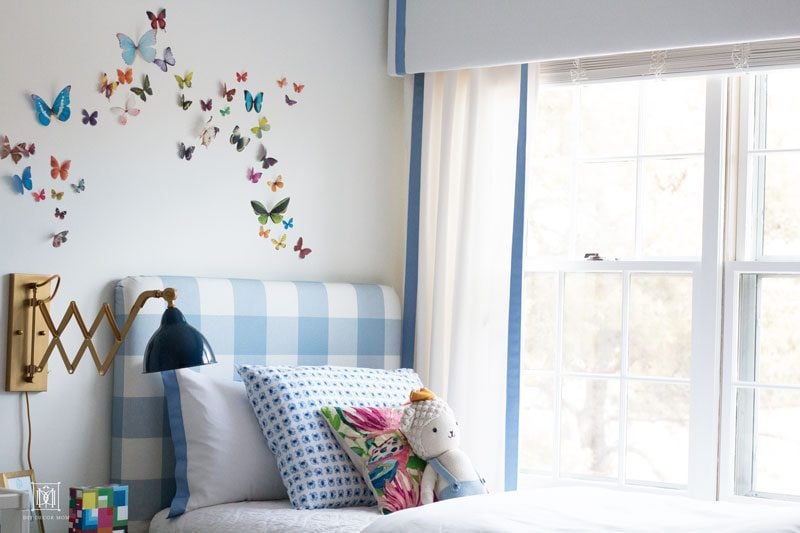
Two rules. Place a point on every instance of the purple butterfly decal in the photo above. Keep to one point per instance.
(89, 119)
(289, 101)
(206, 106)
(267, 161)
(169, 59)
(60, 214)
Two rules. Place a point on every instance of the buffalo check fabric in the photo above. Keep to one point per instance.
(246, 322)
(288, 401)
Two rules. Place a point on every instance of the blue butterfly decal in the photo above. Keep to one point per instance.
(253, 102)
(60, 108)
(288, 223)
(80, 187)
(25, 182)
(146, 47)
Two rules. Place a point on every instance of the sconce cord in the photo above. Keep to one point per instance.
(30, 434)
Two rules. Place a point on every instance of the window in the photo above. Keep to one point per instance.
(682, 187)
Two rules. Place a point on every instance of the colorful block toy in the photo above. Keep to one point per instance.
(99, 509)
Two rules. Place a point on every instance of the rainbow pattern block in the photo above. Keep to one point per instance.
(100, 509)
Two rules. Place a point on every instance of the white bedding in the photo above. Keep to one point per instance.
(261, 517)
(589, 509)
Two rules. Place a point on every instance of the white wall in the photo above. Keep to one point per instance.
(145, 211)
(451, 34)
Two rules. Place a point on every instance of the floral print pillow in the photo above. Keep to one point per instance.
(372, 438)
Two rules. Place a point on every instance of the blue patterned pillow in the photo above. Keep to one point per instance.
(287, 401)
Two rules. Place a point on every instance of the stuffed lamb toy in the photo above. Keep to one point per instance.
(432, 431)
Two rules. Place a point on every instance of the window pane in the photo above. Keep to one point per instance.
(609, 119)
(672, 211)
(536, 420)
(674, 116)
(553, 130)
(658, 432)
(778, 334)
(541, 292)
(781, 198)
(606, 209)
(549, 207)
(777, 442)
(589, 427)
(592, 322)
(660, 328)
(783, 110)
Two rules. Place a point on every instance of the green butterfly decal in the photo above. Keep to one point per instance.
(184, 103)
(187, 81)
(264, 214)
(262, 126)
(145, 90)
(225, 112)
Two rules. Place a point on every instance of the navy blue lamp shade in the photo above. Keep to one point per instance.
(176, 344)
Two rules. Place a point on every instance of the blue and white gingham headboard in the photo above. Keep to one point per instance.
(245, 321)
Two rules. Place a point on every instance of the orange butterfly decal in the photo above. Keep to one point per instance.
(264, 232)
(298, 88)
(39, 196)
(228, 94)
(61, 170)
(281, 82)
(277, 184)
(125, 77)
(241, 76)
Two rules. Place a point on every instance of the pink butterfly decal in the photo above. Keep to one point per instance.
(39, 196)
(241, 77)
(60, 238)
(128, 111)
(253, 176)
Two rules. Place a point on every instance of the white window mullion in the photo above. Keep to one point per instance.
(706, 312)
(558, 377)
(623, 382)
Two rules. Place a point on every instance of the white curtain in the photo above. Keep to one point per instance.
(469, 152)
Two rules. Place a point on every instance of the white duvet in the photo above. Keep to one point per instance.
(572, 509)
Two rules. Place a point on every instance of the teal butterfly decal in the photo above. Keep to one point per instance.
(145, 90)
(225, 112)
(146, 47)
(80, 187)
(253, 102)
(60, 108)
(275, 214)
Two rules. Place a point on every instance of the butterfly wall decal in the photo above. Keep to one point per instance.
(185, 152)
(59, 110)
(252, 102)
(107, 87)
(281, 82)
(184, 103)
(60, 238)
(239, 141)
(60, 214)
(262, 232)
(302, 252)
(145, 90)
(80, 187)
(289, 101)
(277, 184)
(186, 81)
(275, 214)
(241, 77)
(16, 152)
(280, 243)
(225, 112)
(125, 77)
(158, 22)
(146, 47)
(23, 183)
(208, 133)
(90, 119)
(228, 94)
(128, 111)
(253, 176)
(266, 160)
(261, 127)
(39, 196)
(288, 224)
(168, 61)
(59, 171)
(205, 105)
(56, 195)
(298, 87)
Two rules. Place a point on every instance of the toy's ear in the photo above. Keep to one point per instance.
(421, 395)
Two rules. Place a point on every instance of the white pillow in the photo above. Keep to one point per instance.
(220, 453)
